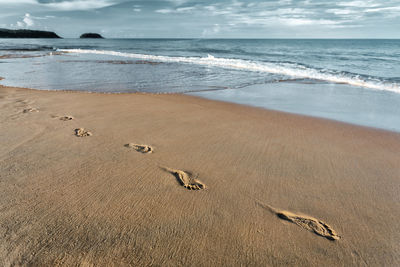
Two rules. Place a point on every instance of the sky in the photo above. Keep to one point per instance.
(206, 18)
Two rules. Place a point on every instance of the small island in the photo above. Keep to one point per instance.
(6, 33)
(91, 35)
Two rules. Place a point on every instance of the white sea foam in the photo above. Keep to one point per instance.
(267, 67)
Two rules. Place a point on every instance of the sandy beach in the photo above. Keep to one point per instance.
(91, 179)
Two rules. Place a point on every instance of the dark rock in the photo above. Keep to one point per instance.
(6, 33)
(92, 35)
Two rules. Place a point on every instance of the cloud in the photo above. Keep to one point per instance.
(27, 21)
(360, 3)
(291, 13)
(264, 14)
(60, 4)
(390, 9)
(16, 2)
(178, 2)
(79, 4)
(196, 18)
(185, 9)
(164, 11)
(178, 10)
(341, 11)
(211, 31)
(301, 22)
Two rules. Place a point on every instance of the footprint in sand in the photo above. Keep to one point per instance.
(309, 223)
(80, 132)
(186, 179)
(30, 110)
(145, 149)
(66, 118)
(63, 118)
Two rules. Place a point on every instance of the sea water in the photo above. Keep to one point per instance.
(354, 81)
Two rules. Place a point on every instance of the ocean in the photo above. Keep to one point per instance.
(353, 81)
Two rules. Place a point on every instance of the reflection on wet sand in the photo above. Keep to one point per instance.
(10, 56)
(118, 62)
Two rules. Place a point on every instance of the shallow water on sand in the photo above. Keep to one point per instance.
(332, 101)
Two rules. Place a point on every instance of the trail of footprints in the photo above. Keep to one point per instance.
(189, 181)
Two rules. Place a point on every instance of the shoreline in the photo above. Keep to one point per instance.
(267, 187)
(208, 99)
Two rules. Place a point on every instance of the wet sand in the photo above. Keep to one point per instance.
(175, 180)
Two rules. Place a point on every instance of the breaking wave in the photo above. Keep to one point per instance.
(289, 69)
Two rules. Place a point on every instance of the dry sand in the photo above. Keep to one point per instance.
(276, 189)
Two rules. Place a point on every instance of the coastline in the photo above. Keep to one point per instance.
(91, 200)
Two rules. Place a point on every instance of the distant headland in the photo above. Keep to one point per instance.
(91, 35)
(6, 33)
(24, 33)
